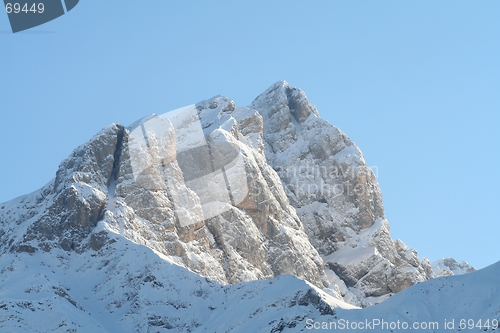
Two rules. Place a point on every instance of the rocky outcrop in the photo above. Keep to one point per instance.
(449, 266)
(65, 211)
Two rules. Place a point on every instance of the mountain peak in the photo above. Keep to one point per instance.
(450, 266)
(230, 193)
(281, 95)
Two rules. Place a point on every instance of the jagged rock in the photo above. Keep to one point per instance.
(66, 210)
(426, 264)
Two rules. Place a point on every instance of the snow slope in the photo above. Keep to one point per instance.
(125, 287)
(462, 299)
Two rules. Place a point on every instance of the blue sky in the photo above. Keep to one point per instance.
(414, 84)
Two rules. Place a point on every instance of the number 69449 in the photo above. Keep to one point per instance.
(17, 8)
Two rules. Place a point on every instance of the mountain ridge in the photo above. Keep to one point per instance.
(233, 194)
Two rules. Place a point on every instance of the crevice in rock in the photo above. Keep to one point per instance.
(118, 153)
(116, 167)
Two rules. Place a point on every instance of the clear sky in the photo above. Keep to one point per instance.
(415, 84)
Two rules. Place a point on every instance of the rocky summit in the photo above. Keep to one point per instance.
(231, 194)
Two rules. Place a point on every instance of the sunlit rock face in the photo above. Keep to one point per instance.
(337, 198)
(255, 234)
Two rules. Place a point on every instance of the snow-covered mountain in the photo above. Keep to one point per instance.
(449, 266)
(194, 221)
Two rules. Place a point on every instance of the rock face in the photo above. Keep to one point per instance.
(336, 197)
(255, 238)
(66, 210)
(231, 193)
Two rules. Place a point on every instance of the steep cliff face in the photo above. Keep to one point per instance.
(231, 193)
(66, 210)
(337, 198)
(255, 234)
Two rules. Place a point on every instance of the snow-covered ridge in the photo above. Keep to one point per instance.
(463, 303)
(449, 266)
(125, 287)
